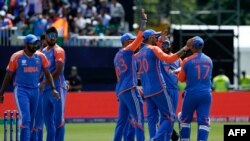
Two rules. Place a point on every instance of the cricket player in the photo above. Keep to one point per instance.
(130, 102)
(27, 65)
(196, 71)
(53, 110)
(153, 84)
(37, 133)
(169, 71)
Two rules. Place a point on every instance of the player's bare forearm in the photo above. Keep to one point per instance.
(182, 51)
(58, 71)
(144, 19)
(49, 78)
(6, 81)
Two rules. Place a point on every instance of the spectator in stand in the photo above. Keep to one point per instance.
(20, 22)
(117, 15)
(80, 21)
(4, 20)
(89, 10)
(34, 7)
(221, 82)
(105, 17)
(245, 81)
(103, 6)
(74, 80)
(100, 29)
(39, 25)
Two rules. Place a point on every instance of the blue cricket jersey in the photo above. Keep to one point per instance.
(28, 69)
(149, 71)
(55, 55)
(170, 78)
(197, 72)
(125, 68)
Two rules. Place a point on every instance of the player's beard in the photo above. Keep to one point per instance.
(31, 50)
(51, 43)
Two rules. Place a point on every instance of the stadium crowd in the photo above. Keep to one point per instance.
(70, 17)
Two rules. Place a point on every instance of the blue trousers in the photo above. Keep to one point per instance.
(201, 103)
(164, 102)
(26, 101)
(129, 131)
(37, 133)
(130, 105)
(53, 112)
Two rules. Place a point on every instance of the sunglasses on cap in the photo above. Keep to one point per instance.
(52, 35)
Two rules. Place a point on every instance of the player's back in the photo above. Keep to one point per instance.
(55, 55)
(149, 71)
(125, 69)
(198, 68)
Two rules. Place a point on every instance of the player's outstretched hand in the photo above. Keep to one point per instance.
(143, 14)
(55, 94)
(189, 43)
(164, 35)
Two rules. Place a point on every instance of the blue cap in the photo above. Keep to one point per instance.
(127, 36)
(198, 42)
(166, 43)
(149, 32)
(30, 39)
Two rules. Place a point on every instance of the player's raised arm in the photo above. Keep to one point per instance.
(166, 57)
(139, 38)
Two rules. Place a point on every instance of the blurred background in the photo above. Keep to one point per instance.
(89, 31)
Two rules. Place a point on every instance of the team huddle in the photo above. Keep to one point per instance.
(148, 57)
(40, 87)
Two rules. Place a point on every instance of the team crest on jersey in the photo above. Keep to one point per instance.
(24, 62)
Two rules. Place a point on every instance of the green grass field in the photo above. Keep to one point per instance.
(105, 131)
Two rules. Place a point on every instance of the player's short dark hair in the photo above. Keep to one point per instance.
(51, 30)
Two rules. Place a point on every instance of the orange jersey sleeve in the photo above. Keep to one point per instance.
(45, 62)
(136, 43)
(182, 74)
(59, 55)
(163, 56)
(13, 64)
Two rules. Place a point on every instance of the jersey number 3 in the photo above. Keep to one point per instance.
(120, 68)
(206, 67)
